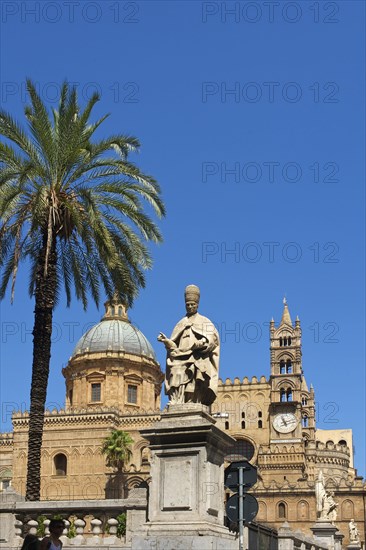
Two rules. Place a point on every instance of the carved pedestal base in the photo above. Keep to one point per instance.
(325, 532)
(186, 494)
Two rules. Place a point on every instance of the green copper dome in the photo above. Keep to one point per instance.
(114, 333)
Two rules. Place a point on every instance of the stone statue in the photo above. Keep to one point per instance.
(354, 535)
(192, 363)
(326, 506)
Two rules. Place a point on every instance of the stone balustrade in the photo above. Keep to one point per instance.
(296, 540)
(93, 524)
(88, 523)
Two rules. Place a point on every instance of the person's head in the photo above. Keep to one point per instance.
(30, 542)
(192, 298)
(56, 527)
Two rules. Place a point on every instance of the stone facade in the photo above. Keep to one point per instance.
(113, 381)
(289, 453)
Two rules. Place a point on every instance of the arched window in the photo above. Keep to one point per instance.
(342, 442)
(289, 366)
(302, 510)
(304, 401)
(289, 394)
(226, 425)
(259, 414)
(242, 450)
(243, 414)
(243, 424)
(285, 341)
(281, 341)
(120, 311)
(289, 340)
(283, 395)
(282, 510)
(260, 424)
(304, 421)
(60, 463)
(282, 367)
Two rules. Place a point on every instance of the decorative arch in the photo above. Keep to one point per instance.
(286, 382)
(285, 354)
(347, 509)
(22, 455)
(134, 481)
(282, 510)
(243, 397)
(262, 511)
(227, 397)
(60, 464)
(302, 510)
(75, 453)
(259, 394)
(243, 449)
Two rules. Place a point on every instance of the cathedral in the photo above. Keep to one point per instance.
(113, 381)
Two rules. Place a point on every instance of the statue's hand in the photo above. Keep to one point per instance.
(199, 345)
(169, 344)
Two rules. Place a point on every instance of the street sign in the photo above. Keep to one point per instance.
(231, 477)
(250, 508)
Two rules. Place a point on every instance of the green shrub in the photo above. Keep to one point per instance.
(41, 529)
(121, 527)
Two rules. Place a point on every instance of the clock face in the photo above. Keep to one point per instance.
(285, 423)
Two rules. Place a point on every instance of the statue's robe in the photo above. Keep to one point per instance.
(195, 369)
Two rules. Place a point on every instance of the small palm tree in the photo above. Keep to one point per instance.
(117, 449)
(71, 207)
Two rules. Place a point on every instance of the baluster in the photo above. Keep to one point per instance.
(113, 523)
(112, 538)
(18, 531)
(96, 530)
(33, 525)
(79, 526)
(67, 526)
(46, 524)
(64, 537)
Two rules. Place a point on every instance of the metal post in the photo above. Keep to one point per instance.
(241, 508)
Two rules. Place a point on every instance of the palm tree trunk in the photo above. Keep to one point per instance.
(45, 294)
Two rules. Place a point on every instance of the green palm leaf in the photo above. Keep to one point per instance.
(72, 206)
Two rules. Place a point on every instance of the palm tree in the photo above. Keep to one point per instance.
(117, 448)
(71, 207)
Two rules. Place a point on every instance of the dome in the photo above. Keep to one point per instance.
(114, 333)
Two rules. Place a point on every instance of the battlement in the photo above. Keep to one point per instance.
(244, 382)
(328, 448)
(6, 439)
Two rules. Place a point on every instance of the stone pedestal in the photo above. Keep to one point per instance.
(325, 532)
(186, 494)
(338, 539)
(354, 546)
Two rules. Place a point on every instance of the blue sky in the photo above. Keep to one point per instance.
(253, 123)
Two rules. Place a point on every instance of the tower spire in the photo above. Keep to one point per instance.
(286, 318)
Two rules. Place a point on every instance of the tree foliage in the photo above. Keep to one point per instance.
(117, 448)
(71, 206)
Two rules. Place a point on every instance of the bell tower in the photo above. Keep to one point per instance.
(292, 409)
